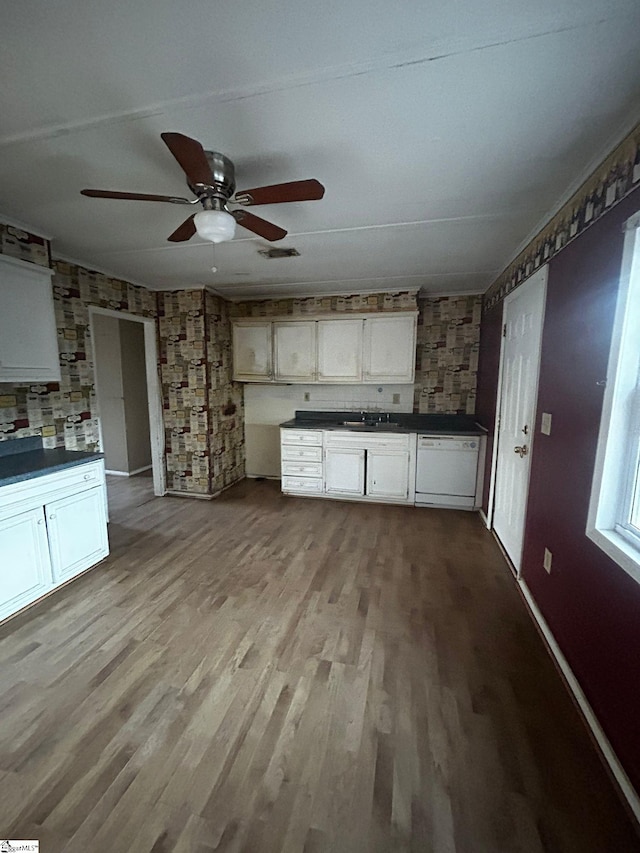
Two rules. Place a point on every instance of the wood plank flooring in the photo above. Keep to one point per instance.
(260, 673)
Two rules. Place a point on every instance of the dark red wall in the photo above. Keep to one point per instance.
(591, 605)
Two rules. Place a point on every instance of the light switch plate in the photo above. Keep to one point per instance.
(545, 426)
(396, 399)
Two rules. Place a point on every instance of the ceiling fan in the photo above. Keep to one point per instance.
(211, 177)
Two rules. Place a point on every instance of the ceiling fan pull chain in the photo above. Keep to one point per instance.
(214, 268)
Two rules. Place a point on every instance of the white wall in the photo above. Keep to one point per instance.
(267, 406)
(120, 370)
(136, 401)
(108, 372)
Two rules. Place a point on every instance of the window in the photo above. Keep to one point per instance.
(614, 511)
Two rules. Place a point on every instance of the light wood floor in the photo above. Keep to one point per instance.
(260, 673)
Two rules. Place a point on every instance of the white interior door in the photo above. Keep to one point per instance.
(523, 318)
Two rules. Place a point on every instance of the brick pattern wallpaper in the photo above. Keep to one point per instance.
(204, 447)
(447, 354)
(65, 413)
(363, 303)
(202, 408)
(226, 398)
(447, 340)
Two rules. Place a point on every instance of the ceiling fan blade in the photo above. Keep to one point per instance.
(184, 232)
(134, 196)
(259, 226)
(191, 157)
(278, 193)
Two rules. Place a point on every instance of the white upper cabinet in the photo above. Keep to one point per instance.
(252, 351)
(390, 348)
(340, 350)
(330, 350)
(294, 350)
(28, 336)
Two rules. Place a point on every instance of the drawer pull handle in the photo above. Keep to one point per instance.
(52, 516)
(41, 521)
(88, 476)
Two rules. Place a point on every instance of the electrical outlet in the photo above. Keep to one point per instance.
(547, 560)
(545, 426)
(307, 396)
(396, 399)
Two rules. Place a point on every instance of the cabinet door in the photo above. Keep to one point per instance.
(340, 350)
(77, 532)
(294, 347)
(252, 351)
(344, 471)
(25, 571)
(388, 474)
(390, 348)
(28, 335)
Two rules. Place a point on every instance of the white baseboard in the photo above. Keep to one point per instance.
(140, 470)
(128, 473)
(174, 493)
(627, 789)
(262, 476)
(484, 517)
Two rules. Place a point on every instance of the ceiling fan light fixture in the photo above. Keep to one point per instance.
(215, 225)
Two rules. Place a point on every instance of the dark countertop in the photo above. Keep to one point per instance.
(22, 462)
(377, 422)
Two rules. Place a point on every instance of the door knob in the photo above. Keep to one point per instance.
(522, 450)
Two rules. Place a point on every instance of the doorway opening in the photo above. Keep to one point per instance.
(128, 394)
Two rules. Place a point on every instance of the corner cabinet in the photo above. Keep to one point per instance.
(28, 335)
(51, 528)
(361, 349)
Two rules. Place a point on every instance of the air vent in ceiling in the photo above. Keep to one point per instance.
(279, 253)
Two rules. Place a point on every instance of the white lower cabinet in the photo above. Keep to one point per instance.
(77, 533)
(25, 571)
(344, 471)
(352, 465)
(388, 474)
(51, 528)
(301, 461)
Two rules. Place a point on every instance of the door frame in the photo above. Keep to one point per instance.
(543, 274)
(156, 425)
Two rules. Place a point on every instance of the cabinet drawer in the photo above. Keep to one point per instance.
(302, 484)
(295, 453)
(303, 436)
(366, 440)
(37, 491)
(302, 469)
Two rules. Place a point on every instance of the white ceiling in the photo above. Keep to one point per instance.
(444, 131)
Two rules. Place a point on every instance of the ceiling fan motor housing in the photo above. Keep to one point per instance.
(224, 178)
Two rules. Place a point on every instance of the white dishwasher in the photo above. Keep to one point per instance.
(446, 471)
